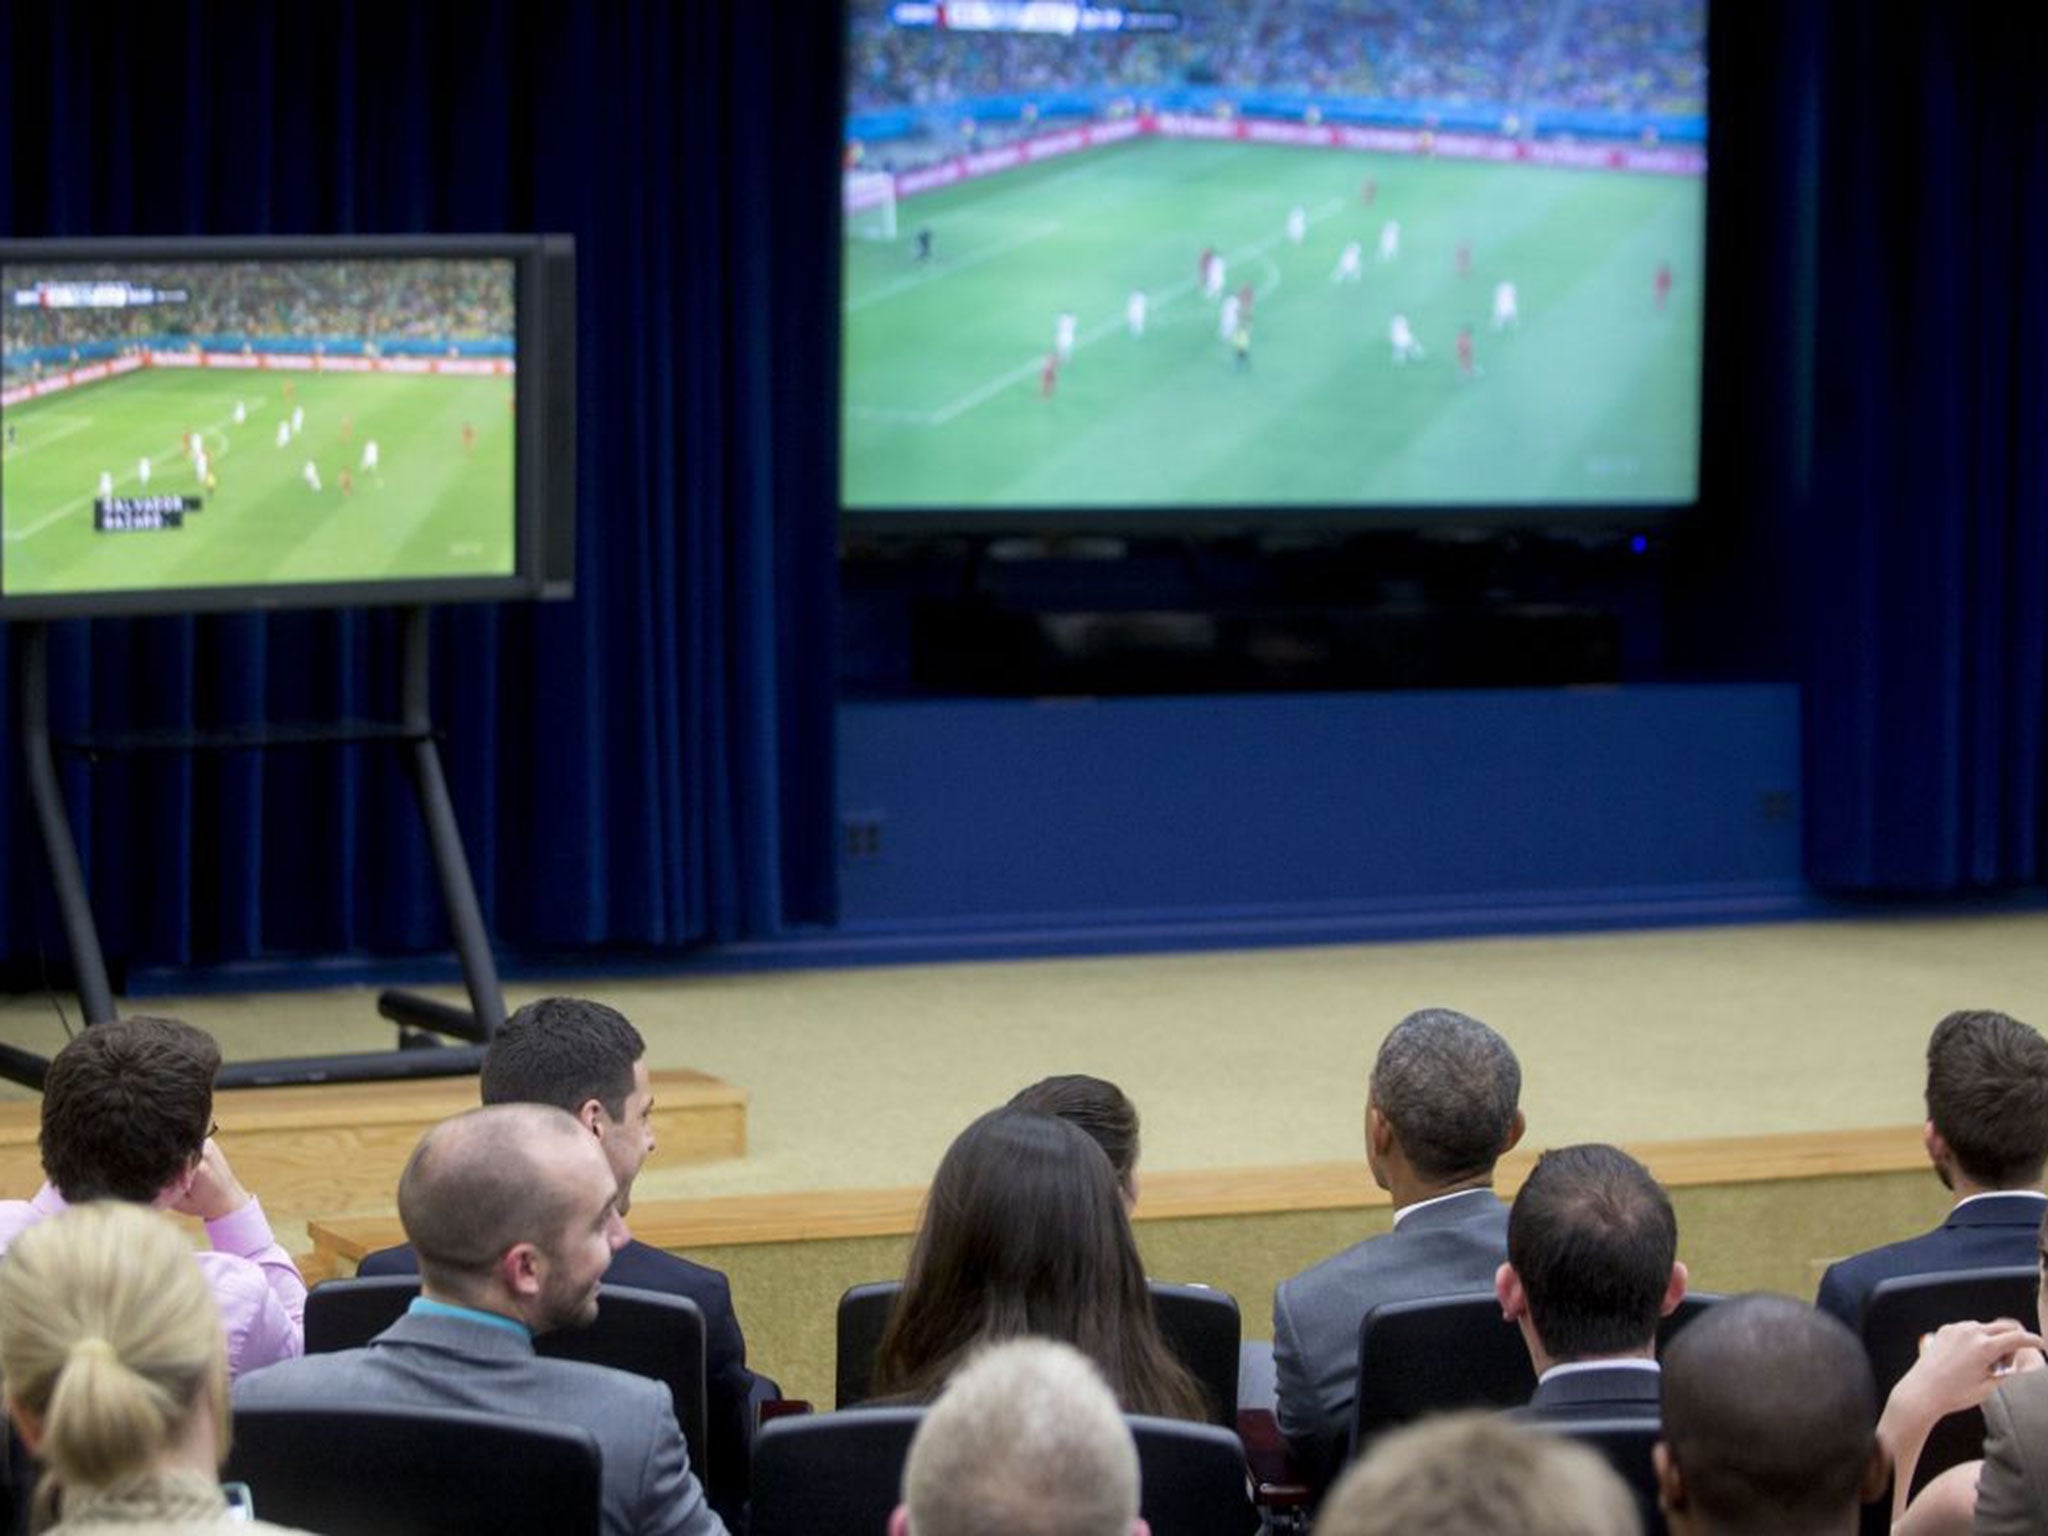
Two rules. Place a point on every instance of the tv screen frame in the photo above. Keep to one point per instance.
(1268, 117)
(544, 417)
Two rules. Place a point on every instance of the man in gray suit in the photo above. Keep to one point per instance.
(1592, 1268)
(514, 1212)
(1442, 1106)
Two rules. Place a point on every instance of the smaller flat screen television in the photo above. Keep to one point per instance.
(194, 425)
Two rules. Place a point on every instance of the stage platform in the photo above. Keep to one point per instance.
(337, 1148)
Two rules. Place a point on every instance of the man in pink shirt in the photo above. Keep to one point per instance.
(128, 1115)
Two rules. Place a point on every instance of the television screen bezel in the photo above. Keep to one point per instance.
(544, 424)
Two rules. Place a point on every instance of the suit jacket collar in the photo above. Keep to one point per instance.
(2008, 1208)
(1621, 1384)
(1452, 1210)
(456, 1336)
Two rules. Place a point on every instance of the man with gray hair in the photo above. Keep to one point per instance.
(1443, 1105)
(1026, 1440)
(514, 1212)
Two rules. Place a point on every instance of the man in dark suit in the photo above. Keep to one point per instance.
(1987, 1136)
(1770, 1422)
(585, 1058)
(513, 1210)
(1592, 1266)
(1441, 1108)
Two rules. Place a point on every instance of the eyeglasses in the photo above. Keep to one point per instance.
(212, 1130)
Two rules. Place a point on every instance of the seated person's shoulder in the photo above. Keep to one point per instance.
(656, 1269)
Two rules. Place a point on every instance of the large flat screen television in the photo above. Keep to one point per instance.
(1393, 259)
(193, 425)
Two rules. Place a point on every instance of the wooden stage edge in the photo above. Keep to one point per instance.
(809, 1216)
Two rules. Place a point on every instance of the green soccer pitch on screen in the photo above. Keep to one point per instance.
(193, 425)
(1191, 258)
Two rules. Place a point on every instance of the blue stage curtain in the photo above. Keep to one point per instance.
(650, 766)
(1924, 573)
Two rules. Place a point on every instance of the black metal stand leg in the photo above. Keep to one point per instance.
(451, 865)
(95, 996)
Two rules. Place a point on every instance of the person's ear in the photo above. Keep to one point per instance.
(1139, 1527)
(523, 1269)
(1379, 1131)
(1670, 1481)
(1507, 1290)
(1515, 1133)
(1674, 1292)
(591, 1112)
(899, 1520)
(1877, 1476)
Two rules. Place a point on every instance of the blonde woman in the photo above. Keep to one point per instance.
(114, 1367)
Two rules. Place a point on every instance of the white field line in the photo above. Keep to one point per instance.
(988, 390)
(50, 519)
(902, 285)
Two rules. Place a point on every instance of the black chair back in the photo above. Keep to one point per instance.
(347, 1314)
(1445, 1352)
(863, 1316)
(1201, 1326)
(1901, 1310)
(840, 1474)
(1625, 1446)
(1206, 1334)
(429, 1472)
(646, 1333)
(1191, 1479)
(1436, 1354)
(830, 1474)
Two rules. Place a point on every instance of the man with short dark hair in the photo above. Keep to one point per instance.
(513, 1212)
(1592, 1268)
(1442, 1106)
(588, 1060)
(127, 1114)
(1987, 1137)
(1770, 1423)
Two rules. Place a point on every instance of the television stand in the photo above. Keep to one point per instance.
(424, 1025)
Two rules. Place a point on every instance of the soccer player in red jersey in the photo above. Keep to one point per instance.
(1663, 282)
(1465, 365)
(1049, 375)
(1369, 191)
(468, 438)
(1244, 301)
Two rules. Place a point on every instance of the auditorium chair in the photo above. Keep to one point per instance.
(368, 1471)
(1440, 1353)
(1624, 1444)
(648, 1333)
(1201, 1326)
(1900, 1311)
(840, 1474)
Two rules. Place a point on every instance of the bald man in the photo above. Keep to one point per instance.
(1770, 1423)
(514, 1212)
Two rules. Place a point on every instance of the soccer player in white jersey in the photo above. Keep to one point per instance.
(1063, 335)
(312, 475)
(1226, 326)
(241, 413)
(1297, 223)
(142, 471)
(1347, 263)
(298, 420)
(1390, 239)
(370, 456)
(1406, 347)
(1504, 312)
(1214, 287)
(284, 434)
(201, 467)
(1134, 312)
(106, 485)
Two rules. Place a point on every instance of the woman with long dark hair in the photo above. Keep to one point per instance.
(1025, 1233)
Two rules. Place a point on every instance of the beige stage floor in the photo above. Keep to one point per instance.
(860, 1077)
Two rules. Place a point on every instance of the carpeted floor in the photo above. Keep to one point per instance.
(860, 1077)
